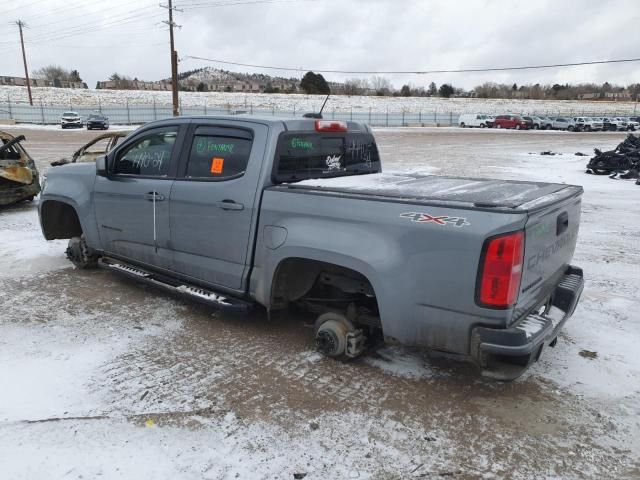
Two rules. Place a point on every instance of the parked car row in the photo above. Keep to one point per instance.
(537, 122)
(95, 120)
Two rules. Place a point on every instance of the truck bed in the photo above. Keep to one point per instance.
(476, 193)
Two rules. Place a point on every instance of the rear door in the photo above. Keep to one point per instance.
(213, 202)
(132, 201)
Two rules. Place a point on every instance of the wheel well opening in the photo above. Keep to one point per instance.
(321, 287)
(59, 220)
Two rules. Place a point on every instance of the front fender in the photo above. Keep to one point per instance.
(73, 184)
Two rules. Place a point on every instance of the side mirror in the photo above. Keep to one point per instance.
(101, 166)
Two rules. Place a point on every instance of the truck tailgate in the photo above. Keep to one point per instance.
(551, 233)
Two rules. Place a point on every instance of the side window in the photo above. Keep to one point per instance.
(218, 157)
(149, 155)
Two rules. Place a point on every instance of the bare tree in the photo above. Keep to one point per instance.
(356, 86)
(381, 85)
(352, 87)
(56, 72)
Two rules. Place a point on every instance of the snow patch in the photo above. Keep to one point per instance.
(402, 362)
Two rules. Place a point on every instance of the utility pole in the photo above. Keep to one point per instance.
(174, 58)
(21, 24)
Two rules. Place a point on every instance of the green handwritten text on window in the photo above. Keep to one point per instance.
(301, 144)
(206, 146)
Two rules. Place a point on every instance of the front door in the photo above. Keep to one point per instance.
(132, 201)
(213, 203)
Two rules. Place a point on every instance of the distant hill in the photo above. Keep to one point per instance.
(214, 79)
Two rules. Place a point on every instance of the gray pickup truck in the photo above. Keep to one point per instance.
(241, 211)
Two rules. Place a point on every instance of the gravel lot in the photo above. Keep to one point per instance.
(101, 377)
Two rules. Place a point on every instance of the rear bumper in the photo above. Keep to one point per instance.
(505, 354)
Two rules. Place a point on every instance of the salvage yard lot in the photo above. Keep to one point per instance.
(103, 377)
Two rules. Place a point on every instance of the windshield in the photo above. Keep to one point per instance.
(307, 155)
(69, 114)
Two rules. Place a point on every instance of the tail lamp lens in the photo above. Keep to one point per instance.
(502, 270)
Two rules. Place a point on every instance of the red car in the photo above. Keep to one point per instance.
(510, 121)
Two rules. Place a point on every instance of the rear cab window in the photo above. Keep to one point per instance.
(305, 155)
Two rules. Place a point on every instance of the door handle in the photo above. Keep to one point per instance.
(229, 205)
(151, 196)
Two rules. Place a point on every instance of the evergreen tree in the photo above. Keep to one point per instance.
(446, 90)
(314, 83)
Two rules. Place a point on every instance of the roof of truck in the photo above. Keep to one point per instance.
(290, 123)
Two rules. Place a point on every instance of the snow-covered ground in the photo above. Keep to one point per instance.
(301, 103)
(103, 378)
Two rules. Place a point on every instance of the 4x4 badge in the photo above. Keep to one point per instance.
(438, 220)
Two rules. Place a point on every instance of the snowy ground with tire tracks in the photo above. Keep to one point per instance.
(103, 378)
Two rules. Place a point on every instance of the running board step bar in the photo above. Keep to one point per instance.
(175, 286)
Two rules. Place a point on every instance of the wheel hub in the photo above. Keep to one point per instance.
(327, 342)
(74, 252)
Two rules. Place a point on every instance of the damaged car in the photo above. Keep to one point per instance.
(101, 145)
(19, 179)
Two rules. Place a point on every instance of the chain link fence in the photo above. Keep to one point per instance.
(132, 114)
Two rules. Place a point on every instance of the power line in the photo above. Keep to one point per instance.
(85, 15)
(4, 12)
(46, 14)
(416, 72)
(116, 21)
(200, 4)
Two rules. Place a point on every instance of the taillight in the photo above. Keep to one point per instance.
(331, 126)
(501, 270)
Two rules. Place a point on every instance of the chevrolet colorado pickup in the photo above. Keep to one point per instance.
(238, 211)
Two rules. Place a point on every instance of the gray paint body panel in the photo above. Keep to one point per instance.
(424, 274)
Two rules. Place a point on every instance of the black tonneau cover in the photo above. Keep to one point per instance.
(474, 192)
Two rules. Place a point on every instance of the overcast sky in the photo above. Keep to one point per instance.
(125, 36)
